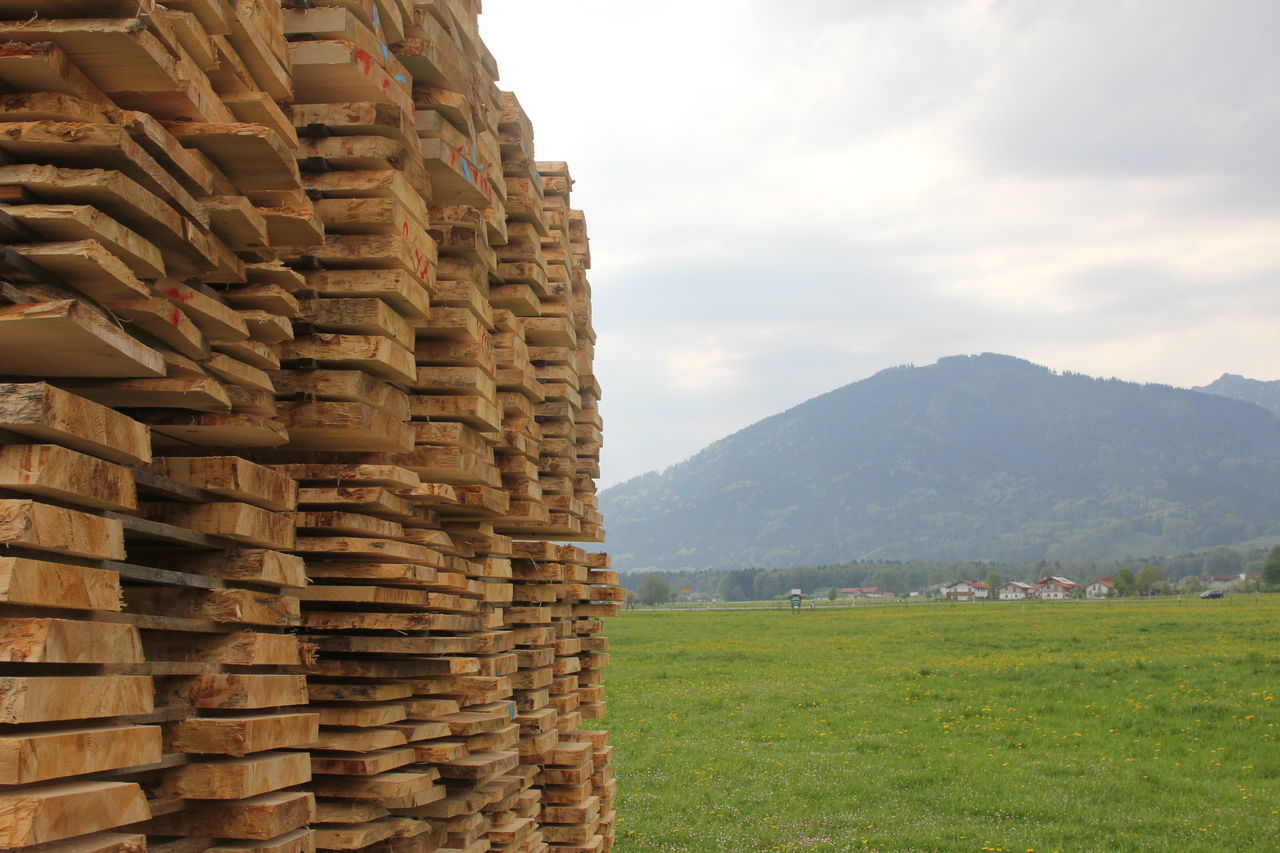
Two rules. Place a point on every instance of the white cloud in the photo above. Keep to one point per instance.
(784, 198)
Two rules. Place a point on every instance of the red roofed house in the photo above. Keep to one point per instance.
(1100, 588)
(1054, 588)
(965, 590)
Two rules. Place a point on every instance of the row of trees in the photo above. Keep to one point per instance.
(1131, 577)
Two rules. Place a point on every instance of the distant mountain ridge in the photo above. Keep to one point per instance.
(1237, 387)
(974, 457)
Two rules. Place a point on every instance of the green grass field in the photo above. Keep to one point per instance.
(993, 726)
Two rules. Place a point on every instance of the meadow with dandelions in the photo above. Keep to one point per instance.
(990, 726)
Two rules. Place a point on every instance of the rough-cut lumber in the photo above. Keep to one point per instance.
(228, 691)
(261, 817)
(74, 222)
(242, 735)
(38, 583)
(311, 254)
(40, 756)
(52, 528)
(49, 470)
(51, 813)
(43, 412)
(233, 520)
(129, 63)
(64, 338)
(87, 266)
(237, 778)
(42, 699)
(41, 640)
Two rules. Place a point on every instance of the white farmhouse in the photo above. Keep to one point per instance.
(1014, 591)
(965, 590)
(1100, 588)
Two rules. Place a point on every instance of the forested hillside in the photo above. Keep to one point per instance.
(972, 458)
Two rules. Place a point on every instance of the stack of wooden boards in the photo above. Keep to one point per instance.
(296, 393)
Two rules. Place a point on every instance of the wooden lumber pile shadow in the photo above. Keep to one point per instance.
(296, 396)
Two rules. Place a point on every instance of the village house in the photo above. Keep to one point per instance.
(1100, 588)
(1054, 588)
(1226, 583)
(965, 591)
(1014, 591)
(865, 592)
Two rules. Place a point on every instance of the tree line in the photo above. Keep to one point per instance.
(1132, 575)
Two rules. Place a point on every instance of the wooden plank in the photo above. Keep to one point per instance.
(341, 426)
(376, 355)
(357, 739)
(87, 266)
(67, 223)
(329, 71)
(240, 522)
(28, 757)
(184, 165)
(52, 813)
(365, 835)
(298, 841)
(100, 842)
(258, 38)
(394, 789)
(49, 470)
(261, 108)
(229, 605)
(415, 253)
(82, 145)
(45, 699)
(162, 319)
(64, 338)
(232, 477)
(385, 184)
(259, 566)
(216, 320)
(40, 640)
(455, 177)
(348, 386)
(226, 690)
(129, 63)
(201, 395)
(237, 778)
(262, 817)
(43, 584)
(187, 250)
(242, 648)
(242, 735)
(51, 106)
(52, 528)
(401, 290)
(214, 430)
(252, 156)
(240, 225)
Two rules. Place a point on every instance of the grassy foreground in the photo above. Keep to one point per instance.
(1036, 727)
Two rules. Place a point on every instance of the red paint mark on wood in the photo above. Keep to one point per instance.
(364, 60)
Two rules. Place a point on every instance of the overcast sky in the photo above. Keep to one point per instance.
(785, 197)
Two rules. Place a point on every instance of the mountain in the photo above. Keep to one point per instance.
(974, 457)
(1237, 387)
